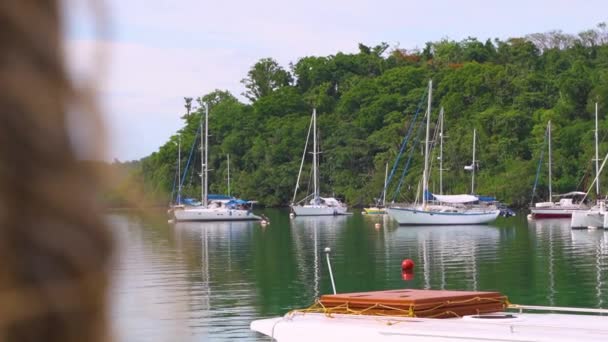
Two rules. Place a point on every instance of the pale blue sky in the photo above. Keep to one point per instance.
(158, 51)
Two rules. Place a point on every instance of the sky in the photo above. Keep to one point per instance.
(150, 54)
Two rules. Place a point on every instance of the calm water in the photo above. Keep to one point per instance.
(207, 281)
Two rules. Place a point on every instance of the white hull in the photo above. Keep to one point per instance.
(589, 218)
(410, 216)
(521, 327)
(317, 210)
(213, 214)
(557, 211)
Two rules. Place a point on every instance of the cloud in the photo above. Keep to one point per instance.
(142, 92)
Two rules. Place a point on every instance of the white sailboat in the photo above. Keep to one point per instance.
(596, 216)
(316, 205)
(225, 210)
(565, 207)
(453, 210)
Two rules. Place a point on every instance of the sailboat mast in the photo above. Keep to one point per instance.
(425, 175)
(473, 171)
(179, 169)
(228, 158)
(314, 153)
(597, 159)
(549, 144)
(204, 156)
(441, 152)
(384, 192)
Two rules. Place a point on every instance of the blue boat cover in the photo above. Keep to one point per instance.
(217, 197)
(486, 198)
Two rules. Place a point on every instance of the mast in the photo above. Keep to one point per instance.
(384, 192)
(425, 176)
(314, 154)
(441, 152)
(473, 171)
(549, 141)
(204, 155)
(179, 169)
(597, 184)
(228, 158)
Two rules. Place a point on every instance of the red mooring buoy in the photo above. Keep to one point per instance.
(407, 265)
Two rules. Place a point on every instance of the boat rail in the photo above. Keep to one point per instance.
(521, 308)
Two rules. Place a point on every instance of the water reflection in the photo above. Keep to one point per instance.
(549, 233)
(311, 234)
(447, 251)
(596, 244)
(221, 287)
(570, 255)
(147, 297)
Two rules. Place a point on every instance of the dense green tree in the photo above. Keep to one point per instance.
(265, 77)
(188, 105)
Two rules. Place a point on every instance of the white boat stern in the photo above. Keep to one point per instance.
(585, 219)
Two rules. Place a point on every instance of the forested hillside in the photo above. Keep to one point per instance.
(507, 90)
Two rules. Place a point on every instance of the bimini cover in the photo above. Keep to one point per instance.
(330, 201)
(456, 198)
(191, 201)
(486, 199)
(237, 202)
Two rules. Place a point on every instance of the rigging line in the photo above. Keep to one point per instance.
(540, 161)
(295, 191)
(309, 183)
(183, 178)
(596, 177)
(192, 173)
(434, 144)
(409, 159)
(405, 140)
(589, 166)
(175, 178)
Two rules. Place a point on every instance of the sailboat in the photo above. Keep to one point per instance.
(596, 216)
(227, 209)
(451, 210)
(379, 209)
(316, 205)
(566, 206)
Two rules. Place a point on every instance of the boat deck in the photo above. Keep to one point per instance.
(493, 327)
(431, 315)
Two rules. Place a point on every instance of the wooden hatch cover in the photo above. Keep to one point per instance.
(415, 303)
